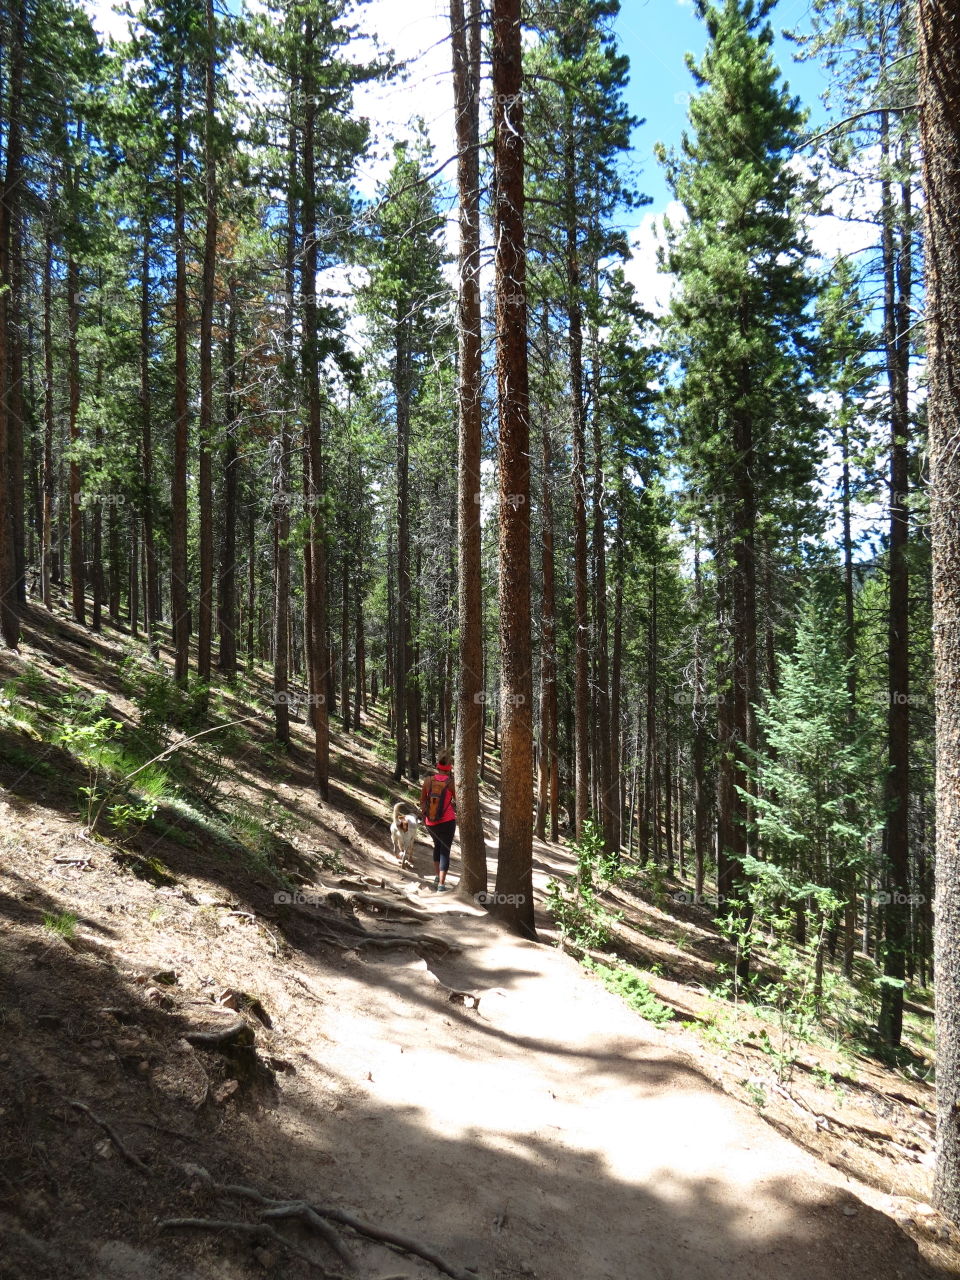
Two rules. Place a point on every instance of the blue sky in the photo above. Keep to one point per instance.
(655, 35)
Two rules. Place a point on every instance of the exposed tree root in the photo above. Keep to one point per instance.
(113, 1136)
(317, 1217)
(256, 1230)
(237, 1033)
(376, 905)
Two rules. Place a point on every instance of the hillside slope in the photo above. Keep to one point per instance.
(391, 1057)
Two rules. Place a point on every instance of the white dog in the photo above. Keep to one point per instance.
(403, 833)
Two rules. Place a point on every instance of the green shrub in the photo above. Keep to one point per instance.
(575, 906)
(630, 984)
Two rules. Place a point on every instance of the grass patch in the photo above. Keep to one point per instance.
(62, 923)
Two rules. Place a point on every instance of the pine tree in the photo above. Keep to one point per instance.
(739, 332)
(405, 300)
(813, 803)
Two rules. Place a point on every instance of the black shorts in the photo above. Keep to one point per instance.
(442, 835)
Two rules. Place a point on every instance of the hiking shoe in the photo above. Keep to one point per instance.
(436, 884)
(443, 888)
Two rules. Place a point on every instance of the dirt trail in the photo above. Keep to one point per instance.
(553, 1132)
(497, 1104)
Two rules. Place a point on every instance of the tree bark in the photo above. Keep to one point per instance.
(606, 784)
(939, 32)
(311, 363)
(897, 271)
(205, 463)
(465, 33)
(227, 595)
(547, 794)
(581, 669)
(10, 198)
(515, 854)
(179, 586)
(151, 601)
(77, 566)
(49, 475)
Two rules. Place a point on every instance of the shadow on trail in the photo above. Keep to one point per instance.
(507, 1203)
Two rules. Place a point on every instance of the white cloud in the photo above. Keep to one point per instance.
(110, 24)
(418, 33)
(654, 287)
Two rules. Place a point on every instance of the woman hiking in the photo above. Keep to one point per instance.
(437, 800)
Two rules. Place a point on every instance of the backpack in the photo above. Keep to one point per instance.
(436, 800)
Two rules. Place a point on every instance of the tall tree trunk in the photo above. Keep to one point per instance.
(151, 601)
(465, 33)
(11, 426)
(282, 490)
(345, 569)
(77, 574)
(616, 677)
(205, 463)
(700, 800)
(744, 619)
(581, 667)
(649, 824)
(227, 599)
(897, 271)
(281, 595)
(16, 409)
(515, 854)
(49, 475)
(133, 588)
(939, 30)
(726, 794)
(548, 779)
(402, 659)
(850, 654)
(179, 586)
(606, 784)
(311, 363)
(359, 646)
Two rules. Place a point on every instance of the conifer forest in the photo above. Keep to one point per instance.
(397, 431)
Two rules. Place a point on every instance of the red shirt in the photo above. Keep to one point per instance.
(448, 813)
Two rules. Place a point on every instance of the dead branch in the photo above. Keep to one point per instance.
(113, 1136)
(248, 915)
(828, 1122)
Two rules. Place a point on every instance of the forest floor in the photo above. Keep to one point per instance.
(391, 1057)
